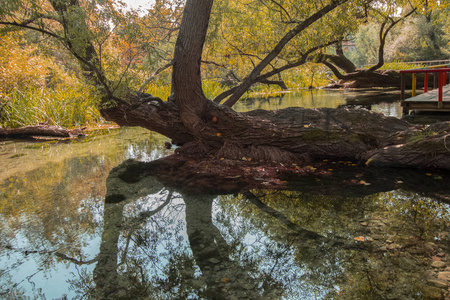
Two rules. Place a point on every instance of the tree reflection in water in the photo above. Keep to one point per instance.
(166, 233)
(165, 243)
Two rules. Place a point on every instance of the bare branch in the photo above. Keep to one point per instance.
(154, 74)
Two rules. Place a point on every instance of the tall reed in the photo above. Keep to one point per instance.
(66, 107)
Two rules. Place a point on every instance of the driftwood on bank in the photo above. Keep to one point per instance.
(34, 131)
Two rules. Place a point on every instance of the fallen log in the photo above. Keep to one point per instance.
(34, 131)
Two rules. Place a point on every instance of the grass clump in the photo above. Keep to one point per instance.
(65, 107)
(401, 66)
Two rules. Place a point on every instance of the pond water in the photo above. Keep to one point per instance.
(87, 219)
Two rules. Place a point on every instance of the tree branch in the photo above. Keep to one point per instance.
(382, 38)
(26, 26)
(276, 71)
(248, 81)
(154, 74)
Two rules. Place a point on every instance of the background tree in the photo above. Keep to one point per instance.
(384, 17)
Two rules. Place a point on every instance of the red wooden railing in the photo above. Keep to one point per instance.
(440, 80)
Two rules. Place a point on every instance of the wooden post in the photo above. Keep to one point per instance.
(403, 84)
(425, 83)
(441, 83)
(414, 84)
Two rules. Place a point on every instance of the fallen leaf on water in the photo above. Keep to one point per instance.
(360, 239)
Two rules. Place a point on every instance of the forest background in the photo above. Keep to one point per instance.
(41, 83)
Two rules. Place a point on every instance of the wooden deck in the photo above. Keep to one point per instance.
(428, 102)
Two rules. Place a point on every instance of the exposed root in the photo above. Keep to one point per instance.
(256, 153)
(198, 149)
(234, 151)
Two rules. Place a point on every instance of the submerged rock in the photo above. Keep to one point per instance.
(438, 264)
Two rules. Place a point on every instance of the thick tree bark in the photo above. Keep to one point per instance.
(339, 59)
(186, 77)
(296, 134)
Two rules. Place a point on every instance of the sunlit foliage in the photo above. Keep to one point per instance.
(134, 48)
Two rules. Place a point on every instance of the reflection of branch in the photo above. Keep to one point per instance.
(59, 254)
(304, 233)
(76, 261)
(138, 220)
(301, 232)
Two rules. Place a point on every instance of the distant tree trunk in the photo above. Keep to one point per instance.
(339, 59)
(360, 78)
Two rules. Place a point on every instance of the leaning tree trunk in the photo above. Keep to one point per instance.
(208, 129)
(297, 134)
(186, 77)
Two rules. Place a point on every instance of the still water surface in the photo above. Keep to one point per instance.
(60, 238)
